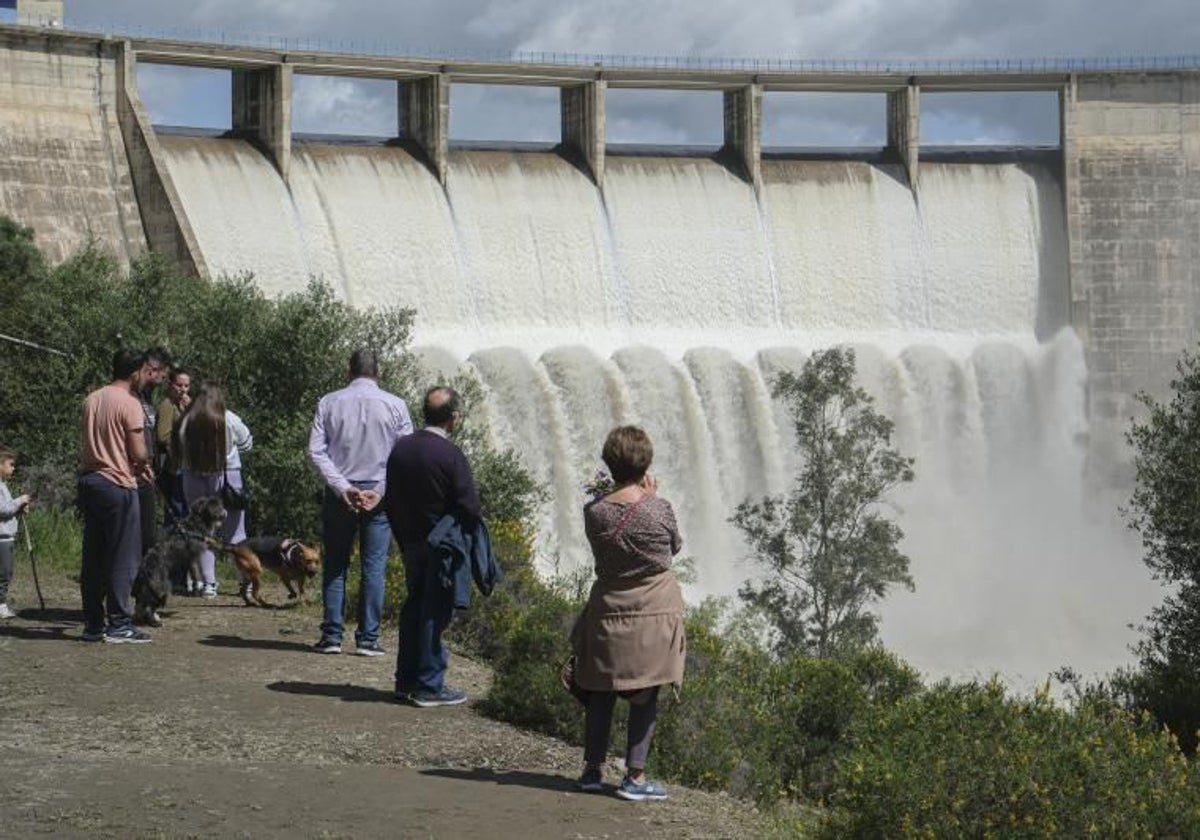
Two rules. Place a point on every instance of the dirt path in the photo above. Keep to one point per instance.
(228, 726)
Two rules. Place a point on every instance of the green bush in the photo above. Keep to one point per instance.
(967, 760)
(56, 537)
(526, 690)
(763, 727)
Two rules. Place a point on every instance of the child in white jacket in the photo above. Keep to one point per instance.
(10, 509)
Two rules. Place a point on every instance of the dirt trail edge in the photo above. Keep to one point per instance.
(227, 725)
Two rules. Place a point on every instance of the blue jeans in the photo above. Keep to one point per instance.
(340, 526)
(422, 658)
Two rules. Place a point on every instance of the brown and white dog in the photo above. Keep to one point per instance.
(292, 560)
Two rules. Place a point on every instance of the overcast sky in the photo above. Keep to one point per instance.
(852, 29)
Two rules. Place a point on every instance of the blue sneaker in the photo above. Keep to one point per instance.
(126, 636)
(445, 697)
(638, 792)
(327, 646)
(369, 649)
(592, 781)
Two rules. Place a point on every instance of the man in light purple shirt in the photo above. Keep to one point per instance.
(352, 435)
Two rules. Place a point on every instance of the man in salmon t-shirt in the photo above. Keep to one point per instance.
(114, 455)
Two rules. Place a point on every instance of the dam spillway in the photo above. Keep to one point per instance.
(673, 297)
(1004, 310)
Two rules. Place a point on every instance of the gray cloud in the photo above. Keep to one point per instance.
(911, 29)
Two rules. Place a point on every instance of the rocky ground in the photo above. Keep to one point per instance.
(227, 725)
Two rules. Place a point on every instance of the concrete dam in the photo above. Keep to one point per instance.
(1004, 307)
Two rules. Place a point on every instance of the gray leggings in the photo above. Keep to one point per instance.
(643, 712)
(6, 567)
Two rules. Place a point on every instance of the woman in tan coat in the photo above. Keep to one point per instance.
(629, 641)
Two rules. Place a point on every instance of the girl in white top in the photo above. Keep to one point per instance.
(209, 443)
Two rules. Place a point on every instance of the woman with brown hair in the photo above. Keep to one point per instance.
(629, 641)
(210, 440)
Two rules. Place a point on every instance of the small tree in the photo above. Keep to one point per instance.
(827, 549)
(1165, 511)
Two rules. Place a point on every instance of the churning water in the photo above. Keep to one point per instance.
(673, 298)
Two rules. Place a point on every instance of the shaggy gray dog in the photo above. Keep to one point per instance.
(177, 550)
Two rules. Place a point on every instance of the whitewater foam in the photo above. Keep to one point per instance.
(673, 298)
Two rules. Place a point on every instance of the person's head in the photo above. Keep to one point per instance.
(204, 441)
(126, 364)
(8, 464)
(364, 362)
(443, 407)
(154, 368)
(179, 384)
(627, 453)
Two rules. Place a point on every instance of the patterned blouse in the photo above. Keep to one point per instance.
(644, 546)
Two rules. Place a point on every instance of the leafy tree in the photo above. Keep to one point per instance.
(827, 549)
(1165, 511)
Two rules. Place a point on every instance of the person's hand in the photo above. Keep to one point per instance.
(22, 502)
(368, 500)
(185, 400)
(649, 484)
(146, 474)
(352, 496)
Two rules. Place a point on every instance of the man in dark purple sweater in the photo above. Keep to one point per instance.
(427, 478)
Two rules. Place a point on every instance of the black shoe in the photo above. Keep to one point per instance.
(327, 646)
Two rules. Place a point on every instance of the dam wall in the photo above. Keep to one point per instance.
(1003, 307)
(1131, 147)
(63, 167)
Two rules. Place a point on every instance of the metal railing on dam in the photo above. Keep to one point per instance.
(884, 66)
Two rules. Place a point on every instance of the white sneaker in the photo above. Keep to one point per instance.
(5, 612)
(210, 590)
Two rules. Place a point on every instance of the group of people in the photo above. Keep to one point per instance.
(383, 480)
(133, 452)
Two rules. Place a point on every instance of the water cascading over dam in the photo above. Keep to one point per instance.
(670, 299)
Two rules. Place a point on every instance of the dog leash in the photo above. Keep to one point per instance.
(207, 539)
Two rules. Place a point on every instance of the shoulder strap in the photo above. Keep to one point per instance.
(620, 527)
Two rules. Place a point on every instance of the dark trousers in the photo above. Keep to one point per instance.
(148, 515)
(174, 511)
(7, 551)
(422, 659)
(112, 541)
(643, 713)
(174, 505)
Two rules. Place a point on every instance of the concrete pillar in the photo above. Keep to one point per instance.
(1068, 129)
(425, 119)
(262, 111)
(743, 130)
(40, 12)
(904, 128)
(583, 125)
(164, 221)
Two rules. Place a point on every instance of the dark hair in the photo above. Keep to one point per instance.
(627, 453)
(440, 414)
(176, 370)
(363, 362)
(158, 354)
(204, 441)
(126, 362)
